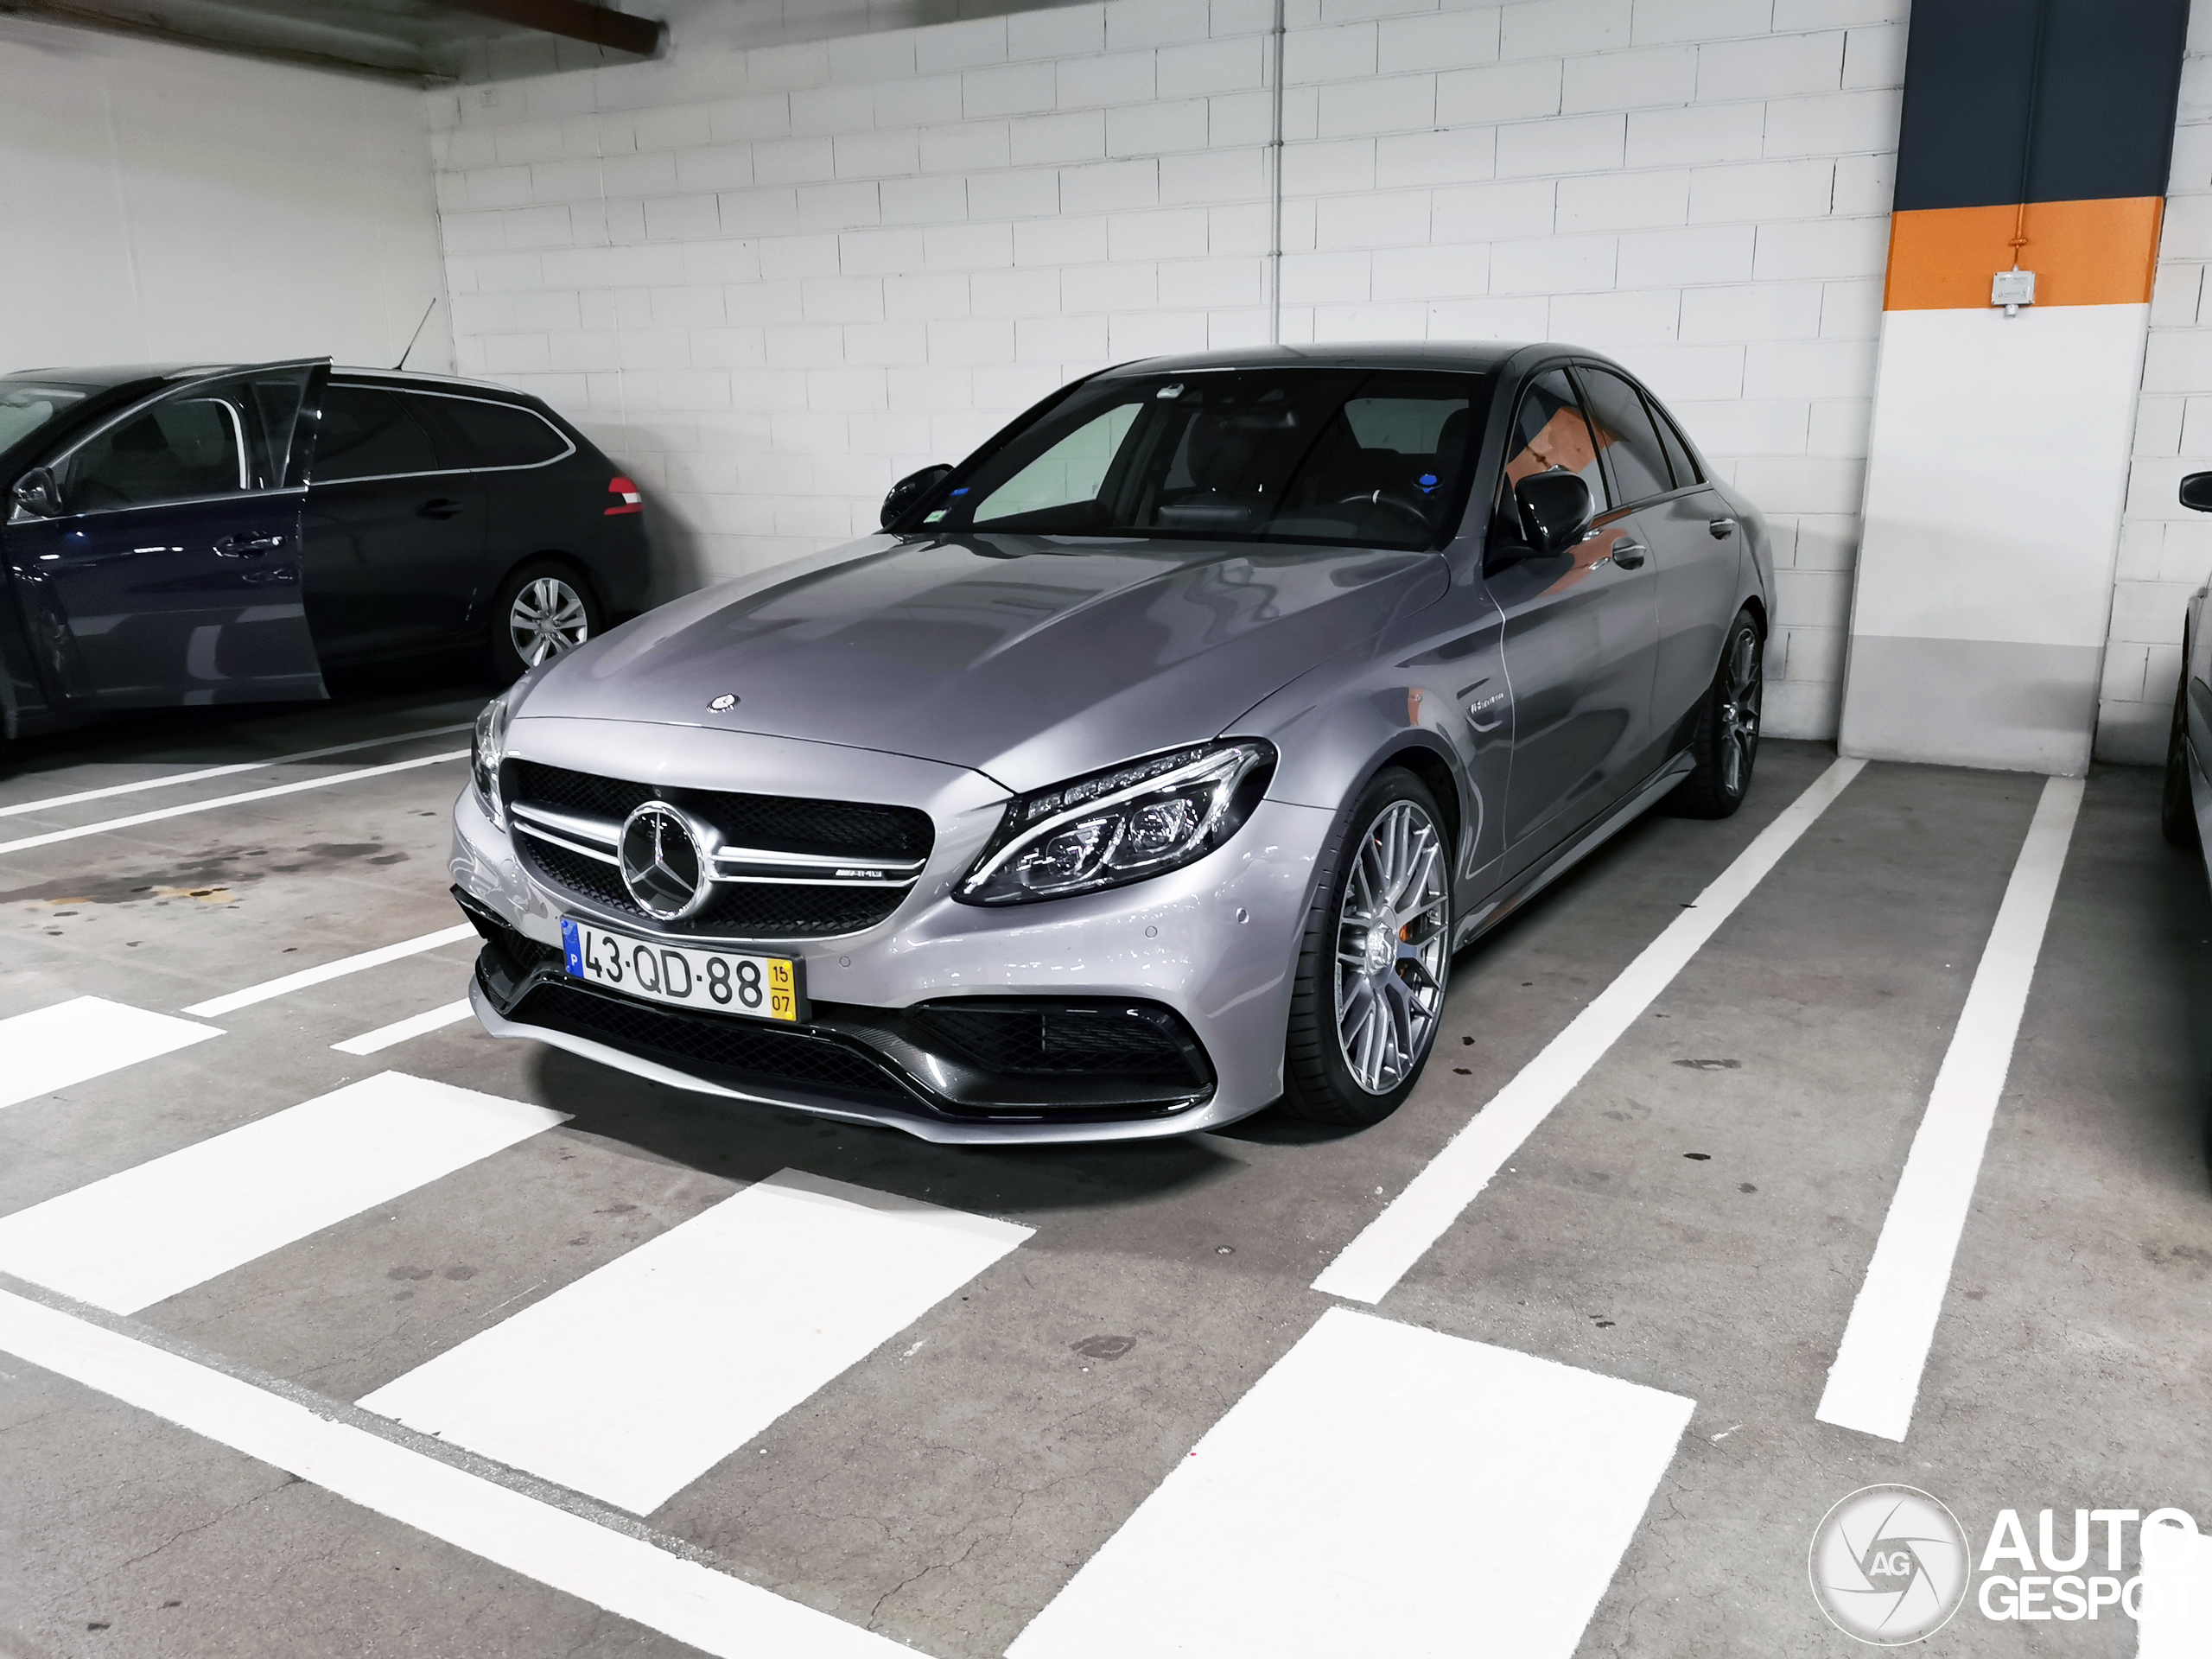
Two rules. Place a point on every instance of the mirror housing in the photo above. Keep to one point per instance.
(36, 495)
(2196, 491)
(910, 489)
(1556, 510)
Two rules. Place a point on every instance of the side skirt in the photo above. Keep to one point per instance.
(1486, 915)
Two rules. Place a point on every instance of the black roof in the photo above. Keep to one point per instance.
(1477, 356)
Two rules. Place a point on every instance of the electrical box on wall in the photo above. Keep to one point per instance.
(2012, 290)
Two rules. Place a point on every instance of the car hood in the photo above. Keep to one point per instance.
(1029, 659)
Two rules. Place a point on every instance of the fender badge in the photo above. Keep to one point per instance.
(725, 703)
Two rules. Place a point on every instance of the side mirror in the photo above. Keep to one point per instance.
(36, 495)
(910, 489)
(1556, 510)
(2196, 491)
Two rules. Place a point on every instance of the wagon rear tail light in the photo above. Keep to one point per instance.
(630, 501)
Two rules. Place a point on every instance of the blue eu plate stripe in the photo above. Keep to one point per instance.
(574, 948)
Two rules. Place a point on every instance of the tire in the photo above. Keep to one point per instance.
(2177, 806)
(1394, 835)
(543, 609)
(1726, 744)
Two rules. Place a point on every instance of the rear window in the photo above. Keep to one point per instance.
(500, 435)
(365, 433)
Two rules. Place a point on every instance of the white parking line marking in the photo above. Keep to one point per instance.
(306, 976)
(627, 1576)
(1389, 1245)
(1381, 1490)
(24, 843)
(143, 1234)
(634, 1381)
(170, 779)
(84, 1037)
(1876, 1377)
(400, 1030)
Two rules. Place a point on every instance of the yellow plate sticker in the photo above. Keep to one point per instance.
(783, 996)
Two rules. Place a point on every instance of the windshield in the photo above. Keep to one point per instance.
(1368, 457)
(27, 406)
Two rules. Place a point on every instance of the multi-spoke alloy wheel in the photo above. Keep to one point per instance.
(546, 619)
(1725, 744)
(1740, 688)
(1373, 960)
(541, 611)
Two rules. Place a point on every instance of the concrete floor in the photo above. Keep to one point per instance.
(942, 1493)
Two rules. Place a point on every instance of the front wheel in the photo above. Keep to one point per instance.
(1726, 741)
(543, 609)
(1373, 962)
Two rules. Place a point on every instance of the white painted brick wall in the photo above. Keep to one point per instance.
(2165, 552)
(772, 278)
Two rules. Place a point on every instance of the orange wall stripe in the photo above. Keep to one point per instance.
(2098, 252)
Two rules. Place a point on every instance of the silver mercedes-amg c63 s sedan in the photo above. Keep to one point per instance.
(1150, 766)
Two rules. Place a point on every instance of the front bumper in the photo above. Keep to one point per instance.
(1212, 947)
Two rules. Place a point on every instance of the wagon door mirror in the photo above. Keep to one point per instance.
(910, 489)
(1556, 510)
(35, 495)
(2196, 491)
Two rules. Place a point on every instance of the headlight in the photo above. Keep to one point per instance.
(487, 746)
(1113, 827)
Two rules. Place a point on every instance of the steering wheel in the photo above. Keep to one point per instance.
(1397, 504)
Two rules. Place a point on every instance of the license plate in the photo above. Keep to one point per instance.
(725, 982)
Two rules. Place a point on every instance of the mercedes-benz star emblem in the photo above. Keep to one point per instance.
(724, 703)
(661, 863)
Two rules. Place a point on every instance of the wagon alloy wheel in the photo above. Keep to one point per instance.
(1739, 711)
(1391, 948)
(546, 618)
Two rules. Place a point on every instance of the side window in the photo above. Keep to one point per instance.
(1068, 474)
(1678, 452)
(365, 433)
(1625, 434)
(500, 435)
(1549, 431)
(217, 437)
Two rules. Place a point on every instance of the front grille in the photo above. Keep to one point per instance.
(705, 1044)
(1027, 1038)
(764, 910)
(780, 822)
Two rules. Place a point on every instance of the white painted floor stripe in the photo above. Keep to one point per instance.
(1382, 1254)
(1381, 1490)
(84, 1038)
(634, 1381)
(1876, 1377)
(24, 843)
(130, 1239)
(306, 976)
(400, 1030)
(627, 1576)
(170, 779)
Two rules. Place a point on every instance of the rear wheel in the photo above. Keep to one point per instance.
(1373, 960)
(542, 610)
(1726, 742)
(2177, 807)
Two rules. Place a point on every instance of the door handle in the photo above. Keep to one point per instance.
(1722, 529)
(439, 506)
(246, 547)
(1630, 554)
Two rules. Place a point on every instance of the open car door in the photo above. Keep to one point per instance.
(161, 551)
